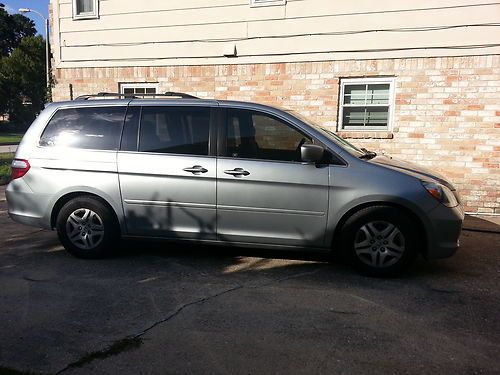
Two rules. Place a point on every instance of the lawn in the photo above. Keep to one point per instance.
(10, 138)
(5, 160)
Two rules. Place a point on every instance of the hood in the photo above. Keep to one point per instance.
(411, 169)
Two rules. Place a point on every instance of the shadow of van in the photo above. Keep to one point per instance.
(232, 256)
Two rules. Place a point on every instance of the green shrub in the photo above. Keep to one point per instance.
(5, 160)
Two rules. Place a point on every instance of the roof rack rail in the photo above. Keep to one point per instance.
(168, 94)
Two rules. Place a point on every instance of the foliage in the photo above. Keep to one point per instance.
(5, 160)
(22, 80)
(6, 157)
(13, 29)
(22, 68)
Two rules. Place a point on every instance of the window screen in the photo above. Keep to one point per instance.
(267, 2)
(84, 6)
(96, 128)
(137, 89)
(178, 130)
(85, 9)
(366, 105)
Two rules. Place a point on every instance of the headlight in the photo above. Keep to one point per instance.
(441, 193)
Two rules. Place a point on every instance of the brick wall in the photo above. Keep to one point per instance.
(447, 113)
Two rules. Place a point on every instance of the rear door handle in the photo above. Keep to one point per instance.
(237, 172)
(196, 169)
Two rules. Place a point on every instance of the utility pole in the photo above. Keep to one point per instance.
(47, 46)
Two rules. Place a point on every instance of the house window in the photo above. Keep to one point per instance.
(259, 3)
(136, 89)
(366, 104)
(84, 9)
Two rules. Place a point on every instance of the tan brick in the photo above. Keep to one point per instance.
(446, 109)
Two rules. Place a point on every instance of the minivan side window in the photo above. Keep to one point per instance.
(97, 128)
(255, 135)
(177, 130)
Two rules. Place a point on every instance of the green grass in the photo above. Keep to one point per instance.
(6, 157)
(5, 160)
(10, 138)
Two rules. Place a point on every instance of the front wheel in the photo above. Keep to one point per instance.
(87, 228)
(380, 241)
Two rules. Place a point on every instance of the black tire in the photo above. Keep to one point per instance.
(88, 231)
(365, 231)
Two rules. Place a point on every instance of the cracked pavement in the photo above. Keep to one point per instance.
(164, 309)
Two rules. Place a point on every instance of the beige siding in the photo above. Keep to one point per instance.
(192, 32)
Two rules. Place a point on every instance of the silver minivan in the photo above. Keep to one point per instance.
(224, 172)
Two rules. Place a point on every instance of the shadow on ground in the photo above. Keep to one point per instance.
(161, 307)
(482, 224)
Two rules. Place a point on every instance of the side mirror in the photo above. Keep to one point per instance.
(311, 153)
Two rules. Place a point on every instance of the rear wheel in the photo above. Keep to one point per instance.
(380, 241)
(87, 228)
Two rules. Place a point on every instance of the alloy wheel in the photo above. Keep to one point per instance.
(85, 228)
(379, 244)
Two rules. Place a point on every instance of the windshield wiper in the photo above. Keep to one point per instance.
(367, 154)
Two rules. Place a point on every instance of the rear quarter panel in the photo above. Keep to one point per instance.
(58, 171)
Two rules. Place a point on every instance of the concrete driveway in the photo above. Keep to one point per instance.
(8, 148)
(164, 309)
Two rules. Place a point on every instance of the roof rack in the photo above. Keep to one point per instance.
(168, 94)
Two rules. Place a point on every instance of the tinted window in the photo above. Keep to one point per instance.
(255, 135)
(131, 129)
(175, 130)
(91, 128)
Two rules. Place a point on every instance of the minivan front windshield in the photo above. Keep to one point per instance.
(350, 148)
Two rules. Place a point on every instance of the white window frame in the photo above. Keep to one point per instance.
(87, 15)
(266, 3)
(146, 85)
(367, 81)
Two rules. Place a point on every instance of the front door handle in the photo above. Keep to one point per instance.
(196, 169)
(237, 172)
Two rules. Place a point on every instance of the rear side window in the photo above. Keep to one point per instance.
(96, 128)
(177, 130)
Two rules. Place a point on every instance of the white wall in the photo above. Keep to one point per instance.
(193, 32)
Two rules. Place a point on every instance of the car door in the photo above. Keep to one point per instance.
(167, 174)
(265, 194)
